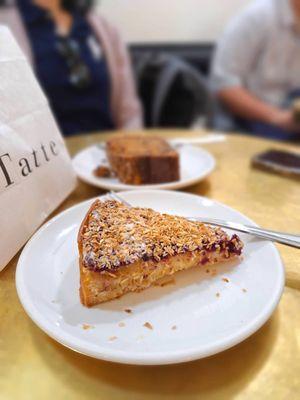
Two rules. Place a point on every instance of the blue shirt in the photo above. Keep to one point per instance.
(76, 110)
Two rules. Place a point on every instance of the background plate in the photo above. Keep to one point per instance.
(195, 164)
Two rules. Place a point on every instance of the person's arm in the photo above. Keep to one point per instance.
(243, 104)
(235, 58)
(129, 109)
(126, 106)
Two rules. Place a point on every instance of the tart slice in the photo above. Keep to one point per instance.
(124, 249)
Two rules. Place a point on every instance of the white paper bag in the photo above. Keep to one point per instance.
(35, 169)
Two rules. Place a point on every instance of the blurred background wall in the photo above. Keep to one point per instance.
(161, 33)
(158, 21)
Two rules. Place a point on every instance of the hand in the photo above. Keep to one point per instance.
(283, 119)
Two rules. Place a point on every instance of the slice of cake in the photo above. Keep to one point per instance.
(124, 249)
(139, 159)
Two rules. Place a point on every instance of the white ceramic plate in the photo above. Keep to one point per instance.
(195, 164)
(206, 323)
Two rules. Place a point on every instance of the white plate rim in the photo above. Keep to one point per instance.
(163, 186)
(119, 356)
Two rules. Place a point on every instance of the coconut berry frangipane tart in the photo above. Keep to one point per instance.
(125, 249)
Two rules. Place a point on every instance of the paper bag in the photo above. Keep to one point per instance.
(35, 169)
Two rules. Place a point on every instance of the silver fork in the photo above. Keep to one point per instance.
(279, 237)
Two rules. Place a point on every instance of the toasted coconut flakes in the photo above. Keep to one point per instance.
(121, 324)
(148, 325)
(128, 310)
(174, 327)
(225, 280)
(116, 235)
(87, 326)
(112, 338)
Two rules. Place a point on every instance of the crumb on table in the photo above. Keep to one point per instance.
(148, 325)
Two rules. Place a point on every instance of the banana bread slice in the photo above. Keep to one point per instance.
(140, 159)
(124, 249)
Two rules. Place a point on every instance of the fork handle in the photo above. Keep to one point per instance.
(279, 237)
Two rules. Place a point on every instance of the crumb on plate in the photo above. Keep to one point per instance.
(148, 325)
(225, 280)
(244, 290)
(112, 338)
(87, 326)
(121, 324)
(128, 310)
(174, 327)
(218, 294)
(102, 171)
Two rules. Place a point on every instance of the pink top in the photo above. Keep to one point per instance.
(126, 108)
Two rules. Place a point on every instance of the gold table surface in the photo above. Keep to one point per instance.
(265, 366)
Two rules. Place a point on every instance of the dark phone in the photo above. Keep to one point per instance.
(279, 162)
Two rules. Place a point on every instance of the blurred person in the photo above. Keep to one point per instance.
(256, 70)
(79, 60)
